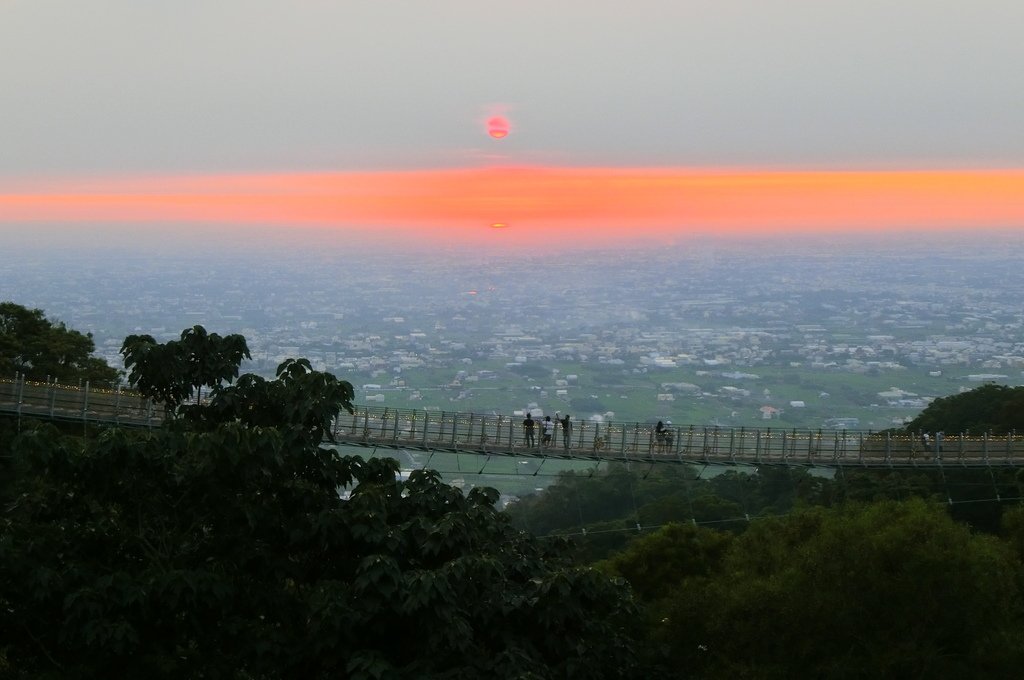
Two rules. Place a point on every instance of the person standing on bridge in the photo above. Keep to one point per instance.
(659, 435)
(528, 425)
(549, 430)
(566, 431)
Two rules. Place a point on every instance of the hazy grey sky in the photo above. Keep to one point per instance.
(125, 86)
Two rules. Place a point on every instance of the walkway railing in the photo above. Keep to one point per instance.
(86, 403)
(607, 441)
(618, 441)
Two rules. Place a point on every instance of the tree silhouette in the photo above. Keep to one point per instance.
(41, 349)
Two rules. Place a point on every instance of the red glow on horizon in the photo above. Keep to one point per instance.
(566, 203)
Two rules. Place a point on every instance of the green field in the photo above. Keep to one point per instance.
(633, 396)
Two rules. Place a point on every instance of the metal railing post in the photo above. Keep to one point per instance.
(85, 401)
(21, 391)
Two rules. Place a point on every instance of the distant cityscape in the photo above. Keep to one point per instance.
(804, 333)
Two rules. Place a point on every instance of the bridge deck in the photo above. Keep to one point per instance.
(502, 435)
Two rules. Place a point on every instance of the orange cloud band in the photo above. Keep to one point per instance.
(653, 201)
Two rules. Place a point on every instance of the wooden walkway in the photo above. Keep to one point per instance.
(503, 435)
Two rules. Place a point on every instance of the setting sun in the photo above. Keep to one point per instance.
(498, 127)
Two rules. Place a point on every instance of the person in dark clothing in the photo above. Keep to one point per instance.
(528, 426)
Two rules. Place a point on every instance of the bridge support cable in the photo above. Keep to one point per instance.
(689, 496)
(636, 510)
(942, 473)
(995, 484)
(744, 495)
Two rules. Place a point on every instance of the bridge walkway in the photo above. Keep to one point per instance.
(503, 435)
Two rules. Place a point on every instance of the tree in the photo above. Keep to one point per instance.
(300, 397)
(990, 408)
(42, 349)
(222, 546)
(888, 590)
(172, 372)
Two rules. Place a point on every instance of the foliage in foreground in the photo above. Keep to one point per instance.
(608, 510)
(887, 590)
(221, 546)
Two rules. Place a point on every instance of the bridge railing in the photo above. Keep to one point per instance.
(495, 433)
(482, 433)
(117, 405)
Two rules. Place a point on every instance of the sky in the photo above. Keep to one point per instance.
(649, 119)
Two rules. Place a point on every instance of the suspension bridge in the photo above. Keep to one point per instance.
(504, 435)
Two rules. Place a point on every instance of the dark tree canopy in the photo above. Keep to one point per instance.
(231, 554)
(300, 397)
(990, 408)
(222, 546)
(39, 348)
(171, 372)
(889, 590)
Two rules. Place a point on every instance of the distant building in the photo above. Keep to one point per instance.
(842, 423)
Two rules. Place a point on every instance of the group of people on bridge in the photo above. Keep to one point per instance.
(547, 428)
(663, 436)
